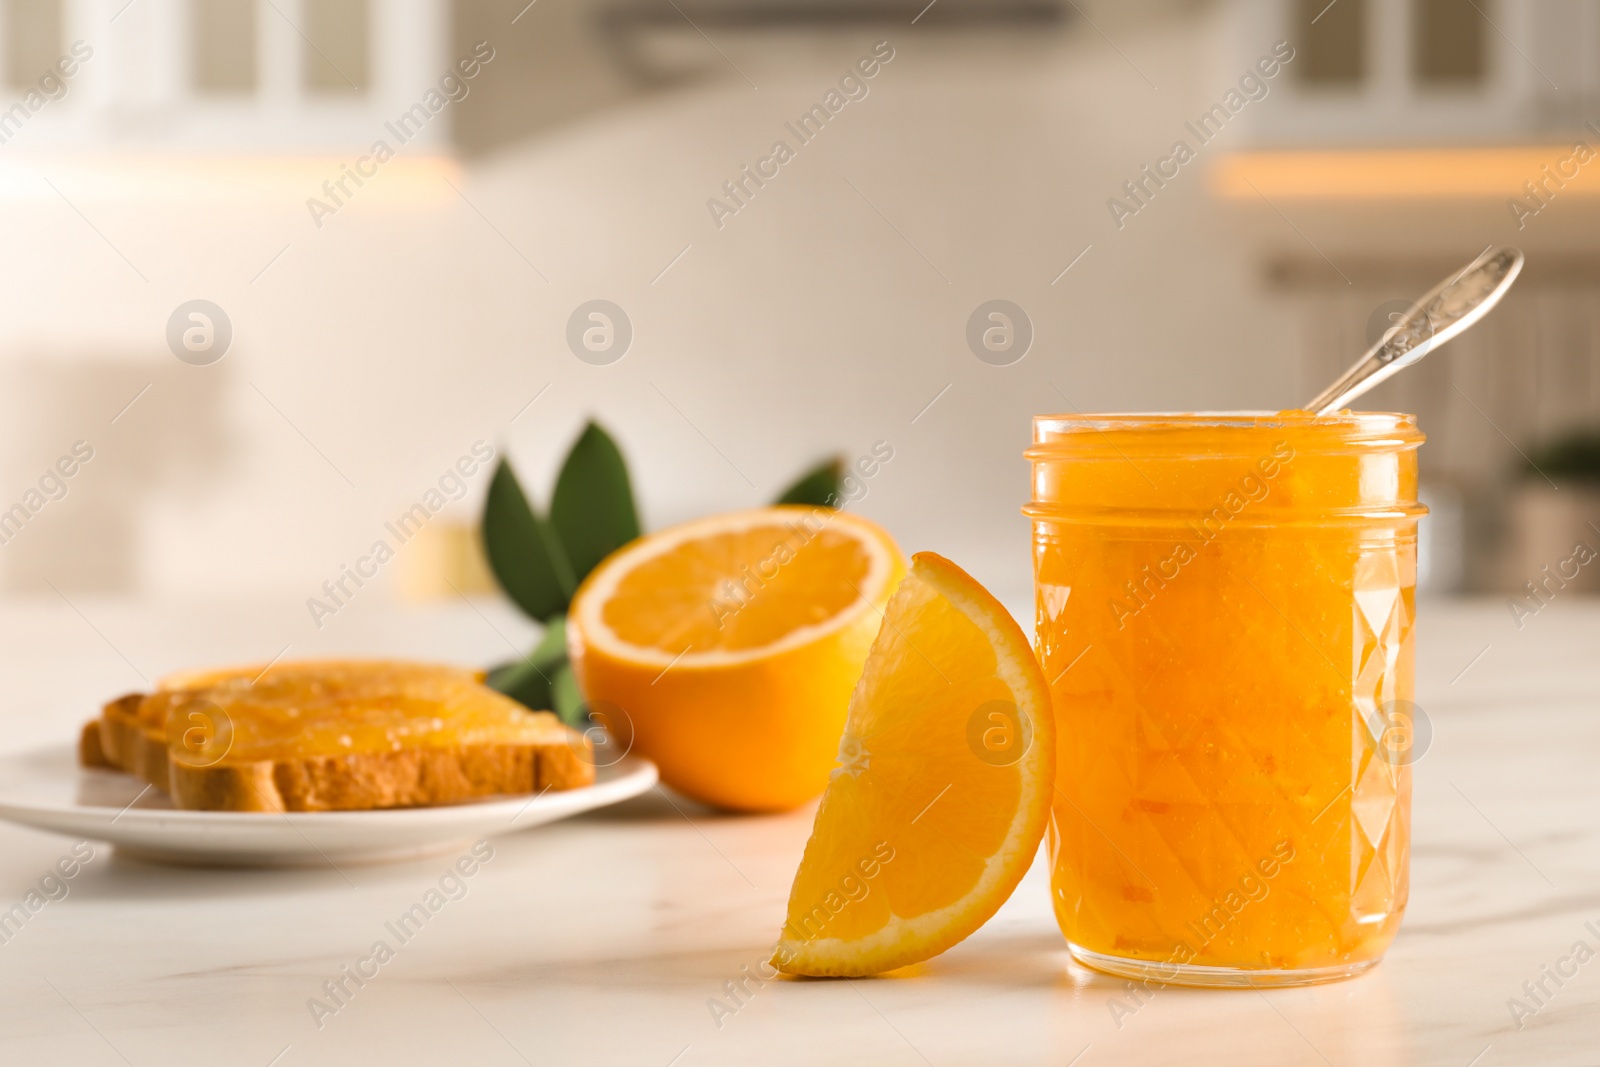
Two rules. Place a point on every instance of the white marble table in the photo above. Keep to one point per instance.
(602, 940)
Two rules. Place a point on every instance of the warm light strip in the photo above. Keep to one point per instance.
(1404, 174)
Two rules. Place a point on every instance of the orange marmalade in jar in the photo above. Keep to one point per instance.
(1225, 608)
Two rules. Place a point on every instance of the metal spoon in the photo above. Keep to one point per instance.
(1452, 308)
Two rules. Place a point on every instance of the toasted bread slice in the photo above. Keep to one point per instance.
(91, 753)
(334, 736)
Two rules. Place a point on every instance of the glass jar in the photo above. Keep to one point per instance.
(1225, 607)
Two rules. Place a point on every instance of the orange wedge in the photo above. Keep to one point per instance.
(942, 789)
(725, 649)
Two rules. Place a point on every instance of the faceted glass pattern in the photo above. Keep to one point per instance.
(1226, 802)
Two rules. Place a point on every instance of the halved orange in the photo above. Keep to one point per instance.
(725, 649)
(942, 791)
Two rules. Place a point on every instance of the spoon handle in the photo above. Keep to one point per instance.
(1451, 308)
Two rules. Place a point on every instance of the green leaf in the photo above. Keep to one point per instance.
(818, 486)
(552, 646)
(525, 556)
(567, 698)
(526, 683)
(592, 510)
(528, 680)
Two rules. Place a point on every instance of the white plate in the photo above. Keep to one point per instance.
(46, 789)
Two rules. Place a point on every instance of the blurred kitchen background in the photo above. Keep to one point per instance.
(381, 327)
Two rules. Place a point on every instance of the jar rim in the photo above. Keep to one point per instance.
(1356, 420)
(1218, 434)
(1221, 431)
